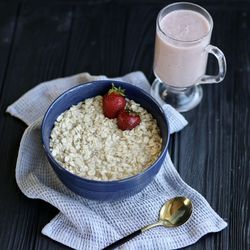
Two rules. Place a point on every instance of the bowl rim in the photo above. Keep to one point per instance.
(106, 182)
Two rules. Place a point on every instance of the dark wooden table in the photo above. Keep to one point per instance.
(41, 40)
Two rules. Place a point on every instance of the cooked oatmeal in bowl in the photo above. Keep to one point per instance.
(102, 145)
(91, 145)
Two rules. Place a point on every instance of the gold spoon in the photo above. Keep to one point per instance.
(173, 213)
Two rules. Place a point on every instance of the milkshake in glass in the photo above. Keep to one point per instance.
(183, 35)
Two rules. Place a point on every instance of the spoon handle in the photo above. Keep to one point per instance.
(123, 240)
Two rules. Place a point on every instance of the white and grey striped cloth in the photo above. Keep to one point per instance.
(87, 224)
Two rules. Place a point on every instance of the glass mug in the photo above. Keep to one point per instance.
(181, 53)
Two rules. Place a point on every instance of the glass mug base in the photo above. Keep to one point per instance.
(182, 99)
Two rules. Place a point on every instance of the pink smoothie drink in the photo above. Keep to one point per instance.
(180, 56)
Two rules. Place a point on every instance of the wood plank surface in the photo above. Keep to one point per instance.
(95, 48)
(38, 53)
(41, 40)
(212, 164)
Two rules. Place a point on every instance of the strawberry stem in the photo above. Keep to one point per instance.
(116, 90)
(131, 112)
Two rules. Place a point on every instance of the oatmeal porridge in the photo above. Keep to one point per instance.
(90, 145)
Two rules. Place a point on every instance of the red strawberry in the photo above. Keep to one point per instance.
(113, 102)
(127, 120)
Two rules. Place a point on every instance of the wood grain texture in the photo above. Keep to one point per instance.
(41, 40)
(207, 155)
(240, 181)
(97, 40)
(139, 43)
(37, 53)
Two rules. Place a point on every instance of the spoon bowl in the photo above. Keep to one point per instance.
(176, 211)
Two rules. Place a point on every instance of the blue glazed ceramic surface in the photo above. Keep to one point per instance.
(104, 190)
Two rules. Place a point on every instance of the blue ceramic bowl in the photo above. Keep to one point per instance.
(104, 190)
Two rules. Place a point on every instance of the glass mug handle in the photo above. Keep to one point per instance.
(222, 66)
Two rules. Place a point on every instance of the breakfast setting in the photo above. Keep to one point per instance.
(103, 155)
